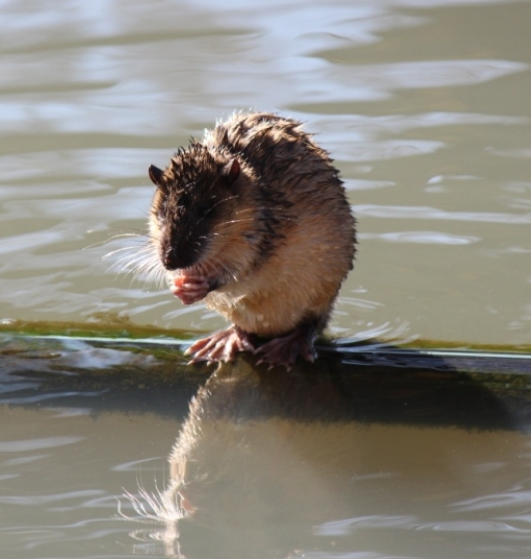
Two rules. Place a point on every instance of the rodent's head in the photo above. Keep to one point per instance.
(194, 193)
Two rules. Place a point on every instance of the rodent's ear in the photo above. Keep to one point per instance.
(155, 174)
(231, 170)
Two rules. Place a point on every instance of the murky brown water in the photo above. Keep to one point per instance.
(425, 107)
(427, 460)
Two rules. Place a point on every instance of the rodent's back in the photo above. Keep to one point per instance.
(279, 151)
(288, 166)
(313, 228)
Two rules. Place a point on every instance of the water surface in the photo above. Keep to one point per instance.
(424, 106)
(412, 456)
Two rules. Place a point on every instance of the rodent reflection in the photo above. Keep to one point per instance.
(264, 457)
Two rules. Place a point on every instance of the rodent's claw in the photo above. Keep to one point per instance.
(307, 352)
(275, 239)
(284, 351)
(222, 346)
(190, 289)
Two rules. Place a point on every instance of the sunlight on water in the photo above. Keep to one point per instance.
(91, 98)
(424, 107)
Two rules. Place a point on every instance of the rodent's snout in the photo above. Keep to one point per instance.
(170, 259)
(177, 257)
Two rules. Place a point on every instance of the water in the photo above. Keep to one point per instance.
(335, 461)
(424, 107)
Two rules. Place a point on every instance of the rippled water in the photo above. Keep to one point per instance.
(424, 106)
(338, 461)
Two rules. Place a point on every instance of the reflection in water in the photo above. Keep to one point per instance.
(270, 463)
(424, 104)
(375, 451)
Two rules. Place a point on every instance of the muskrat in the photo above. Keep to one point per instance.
(254, 220)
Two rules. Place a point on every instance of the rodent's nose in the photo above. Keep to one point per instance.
(170, 259)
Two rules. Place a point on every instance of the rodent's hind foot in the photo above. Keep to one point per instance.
(283, 351)
(221, 346)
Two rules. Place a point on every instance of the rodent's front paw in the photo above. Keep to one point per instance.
(190, 289)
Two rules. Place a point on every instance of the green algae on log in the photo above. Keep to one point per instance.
(143, 369)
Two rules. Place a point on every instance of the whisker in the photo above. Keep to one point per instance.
(261, 208)
(251, 219)
(138, 261)
(212, 264)
(113, 252)
(215, 206)
(118, 235)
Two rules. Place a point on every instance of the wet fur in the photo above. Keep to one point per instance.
(276, 242)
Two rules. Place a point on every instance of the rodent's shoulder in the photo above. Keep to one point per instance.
(255, 133)
(277, 149)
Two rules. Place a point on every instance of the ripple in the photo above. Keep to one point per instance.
(473, 526)
(397, 333)
(358, 184)
(47, 499)
(422, 237)
(496, 501)
(376, 81)
(37, 444)
(426, 212)
(137, 465)
(361, 303)
(516, 152)
(350, 555)
(349, 525)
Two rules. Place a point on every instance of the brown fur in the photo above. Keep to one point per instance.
(281, 238)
